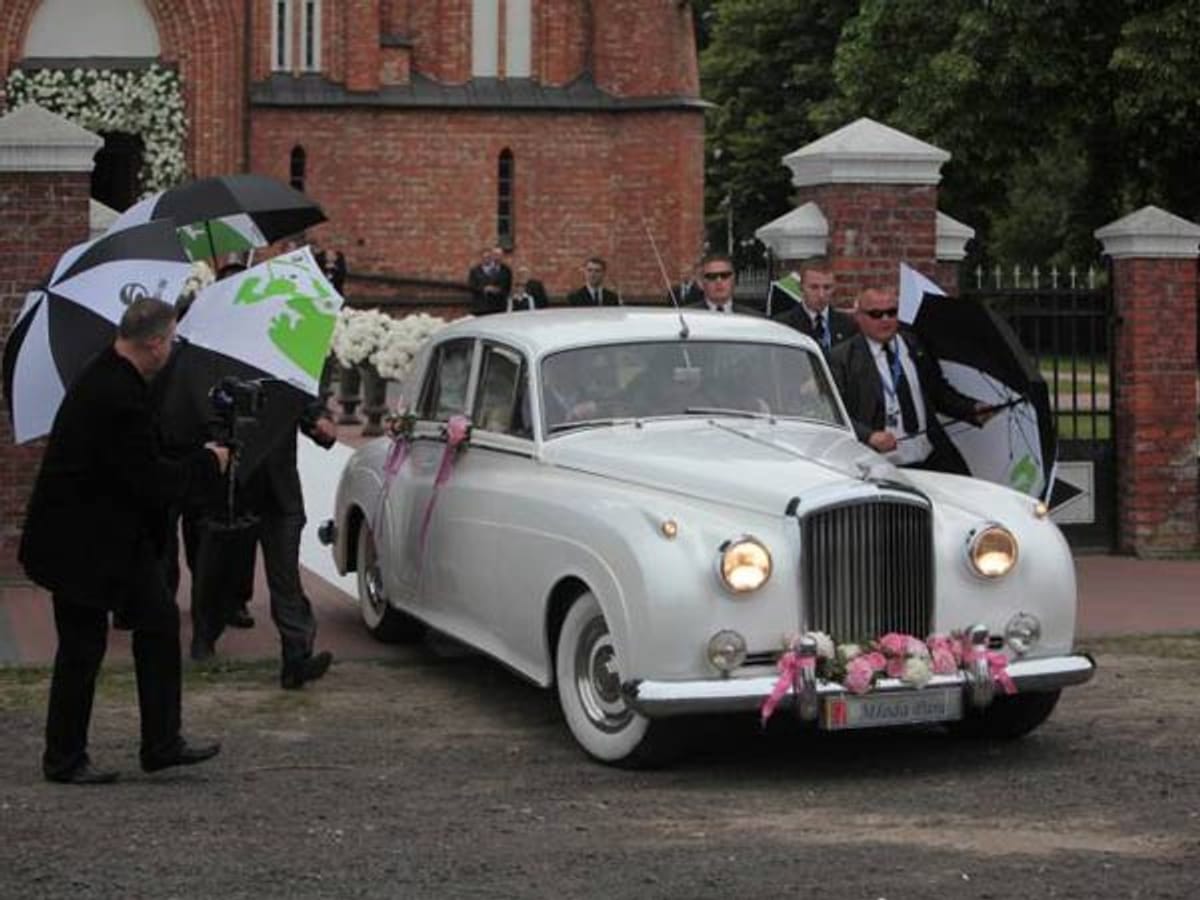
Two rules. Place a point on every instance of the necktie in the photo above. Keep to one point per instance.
(819, 331)
(908, 409)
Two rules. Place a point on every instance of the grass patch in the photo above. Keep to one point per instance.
(1084, 427)
(1161, 646)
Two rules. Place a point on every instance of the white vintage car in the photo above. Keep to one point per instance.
(650, 510)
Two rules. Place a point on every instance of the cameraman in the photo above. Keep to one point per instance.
(273, 494)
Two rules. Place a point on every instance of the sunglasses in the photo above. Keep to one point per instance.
(718, 276)
(890, 313)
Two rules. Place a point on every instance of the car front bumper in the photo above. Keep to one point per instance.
(657, 699)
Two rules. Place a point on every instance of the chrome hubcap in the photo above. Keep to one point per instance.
(597, 680)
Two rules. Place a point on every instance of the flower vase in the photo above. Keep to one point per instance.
(348, 397)
(374, 391)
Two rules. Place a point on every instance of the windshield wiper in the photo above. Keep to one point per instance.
(584, 423)
(722, 411)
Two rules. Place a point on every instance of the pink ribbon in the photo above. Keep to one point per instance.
(790, 665)
(997, 666)
(397, 454)
(458, 429)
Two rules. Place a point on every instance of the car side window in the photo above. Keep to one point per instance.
(445, 391)
(501, 403)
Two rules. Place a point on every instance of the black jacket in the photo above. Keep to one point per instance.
(483, 302)
(274, 485)
(98, 511)
(858, 380)
(841, 325)
(583, 297)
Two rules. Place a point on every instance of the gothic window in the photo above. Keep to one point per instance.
(310, 36)
(506, 231)
(488, 34)
(299, 160)
(281, 35)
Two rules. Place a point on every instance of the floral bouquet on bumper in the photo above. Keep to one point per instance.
(860, 666)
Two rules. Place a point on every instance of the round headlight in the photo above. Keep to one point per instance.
(992, 551)
(1022, 633)
(745, 565)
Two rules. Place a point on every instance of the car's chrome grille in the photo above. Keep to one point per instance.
(868, 569)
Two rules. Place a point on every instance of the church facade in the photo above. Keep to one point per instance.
(427, 129)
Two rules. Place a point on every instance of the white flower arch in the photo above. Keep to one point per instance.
(145, 102)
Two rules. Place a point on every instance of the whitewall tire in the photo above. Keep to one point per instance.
(382, 621)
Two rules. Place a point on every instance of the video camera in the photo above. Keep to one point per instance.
(235, 400)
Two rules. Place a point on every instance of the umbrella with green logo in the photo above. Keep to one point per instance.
(269, 326)
(227, 213)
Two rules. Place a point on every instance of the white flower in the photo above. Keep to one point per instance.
(825, 648)
(916, 671)
(847, 652)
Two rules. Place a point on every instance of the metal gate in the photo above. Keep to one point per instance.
(1068, 330)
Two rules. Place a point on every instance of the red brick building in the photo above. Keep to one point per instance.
(426, 128)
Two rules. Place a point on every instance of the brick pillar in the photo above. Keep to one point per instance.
(1154, 293)
(45, 186)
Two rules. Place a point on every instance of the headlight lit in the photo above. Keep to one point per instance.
(992, 551)
(1022, 633)
(745, 565)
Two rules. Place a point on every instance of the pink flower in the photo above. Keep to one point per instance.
(894, 644)
(943, 642)
(944, 662)
(916, 647)
(859, 675)
(876, 660)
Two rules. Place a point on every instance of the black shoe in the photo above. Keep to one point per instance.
(184, 755)
(295, 674)
(202, 650)
(240, 618)
(84, 774)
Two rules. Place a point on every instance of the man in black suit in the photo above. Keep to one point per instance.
(689, 291)
(718, 279)
(528, 293)
(95, 535)
(593, 292)
(273, 494)
(814, 316)
(893, 390)
(490, 282)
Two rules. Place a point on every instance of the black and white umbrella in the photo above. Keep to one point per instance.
(64, 324)
(981, 357)
(227, 213)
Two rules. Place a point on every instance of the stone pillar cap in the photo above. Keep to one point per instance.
(33, 139)
(1150, 233)
(866, 152)
(800, 234)
(952, 237)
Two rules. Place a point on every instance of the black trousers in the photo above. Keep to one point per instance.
(279, 535)
(82, 640)
(222, 567)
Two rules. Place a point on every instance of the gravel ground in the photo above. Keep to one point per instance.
(439, 774)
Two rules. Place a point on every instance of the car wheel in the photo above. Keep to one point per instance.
(1008, 717)
(383, 622)
(589, 692)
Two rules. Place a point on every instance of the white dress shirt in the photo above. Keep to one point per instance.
(909, 448)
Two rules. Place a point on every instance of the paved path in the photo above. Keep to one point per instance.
(1117, 595)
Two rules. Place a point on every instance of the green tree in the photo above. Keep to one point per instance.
(767, 62)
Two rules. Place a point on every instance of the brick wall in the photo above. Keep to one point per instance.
(41, 214)
(1156, 405)
(872, 228)
(413, 192)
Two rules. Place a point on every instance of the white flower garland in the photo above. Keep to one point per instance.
(146, 102)
(390, 345)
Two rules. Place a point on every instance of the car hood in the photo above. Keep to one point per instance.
(758, 465)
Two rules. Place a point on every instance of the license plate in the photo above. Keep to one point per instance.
(898, 708)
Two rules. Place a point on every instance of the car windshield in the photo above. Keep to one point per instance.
(592, 386)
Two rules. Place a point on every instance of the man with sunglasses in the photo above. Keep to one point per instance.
(717, 280)
(893, 390)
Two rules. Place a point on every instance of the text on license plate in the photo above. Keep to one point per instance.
(899, 708)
